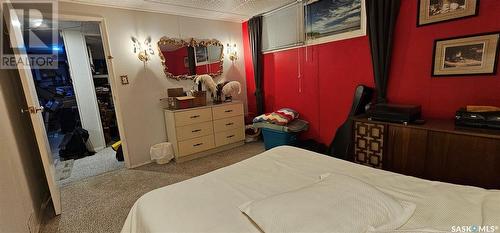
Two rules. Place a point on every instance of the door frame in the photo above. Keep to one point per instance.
(113, 80)
(80, 101)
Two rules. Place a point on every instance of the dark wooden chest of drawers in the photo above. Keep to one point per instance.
(435, 150)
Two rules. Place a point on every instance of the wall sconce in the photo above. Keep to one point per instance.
(143, 51)
(232, 52)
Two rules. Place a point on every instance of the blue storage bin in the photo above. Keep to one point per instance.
(274, 138)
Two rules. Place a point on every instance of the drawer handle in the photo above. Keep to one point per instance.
(196, 130)
(195, 116)
(228, 124)
(230, 136)
(198, 144)
(230, 110)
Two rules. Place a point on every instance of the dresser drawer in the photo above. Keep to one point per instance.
(226, 111)
(193, 117)
(230, 136)
(194, 131)
(196, 145)
(225, 124)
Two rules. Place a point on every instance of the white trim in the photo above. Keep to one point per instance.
(71, 17)
(141, 164)
(82, 97)
(113, 80)
(284, 49)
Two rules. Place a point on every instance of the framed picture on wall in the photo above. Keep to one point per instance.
(435, 11)
(331, 20)
(466, 55)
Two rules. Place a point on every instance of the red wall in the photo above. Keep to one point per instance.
(323, 92)
(411, 81)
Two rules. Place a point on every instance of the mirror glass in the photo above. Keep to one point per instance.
(175, 58)
(184, 59)
(208, 59)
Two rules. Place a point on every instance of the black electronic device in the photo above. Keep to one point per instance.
(478, 119)
(395, 113)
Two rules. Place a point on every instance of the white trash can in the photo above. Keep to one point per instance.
(162, 153)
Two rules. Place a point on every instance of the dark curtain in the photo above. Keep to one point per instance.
(255, 33)
(382, 15)
(191, 61)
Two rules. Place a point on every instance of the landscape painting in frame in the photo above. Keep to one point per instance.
(469, 55)
(434, 11)
(329, 20)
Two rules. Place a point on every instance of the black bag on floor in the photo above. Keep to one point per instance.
(73, 145)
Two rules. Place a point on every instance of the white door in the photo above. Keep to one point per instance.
(34, 109)
(83, 84)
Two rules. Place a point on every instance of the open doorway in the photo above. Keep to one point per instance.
(79, 116)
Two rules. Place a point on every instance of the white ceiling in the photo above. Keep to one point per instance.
(227, 10)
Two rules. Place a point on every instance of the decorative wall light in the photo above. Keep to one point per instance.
(143, 51)
(232, 52)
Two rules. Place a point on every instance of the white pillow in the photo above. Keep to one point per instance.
(337, 203)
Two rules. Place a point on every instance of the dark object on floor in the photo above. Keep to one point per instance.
(340, 145)
(395, 113)
(73, 145)
(477, 119)
(312, 145)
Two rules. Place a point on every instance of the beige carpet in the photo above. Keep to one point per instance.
(101, 162)
(101, 203)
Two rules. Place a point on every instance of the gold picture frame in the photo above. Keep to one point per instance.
(436, 11)
(466, 55)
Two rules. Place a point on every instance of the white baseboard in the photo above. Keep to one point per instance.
(140, 164)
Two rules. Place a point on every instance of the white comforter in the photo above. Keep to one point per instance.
(209, 203)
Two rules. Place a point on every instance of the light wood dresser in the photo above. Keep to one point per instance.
(196, 132)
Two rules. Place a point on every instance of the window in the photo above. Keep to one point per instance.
(313, 22)
(283, 28)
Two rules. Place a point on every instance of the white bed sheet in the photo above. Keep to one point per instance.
(209, 203)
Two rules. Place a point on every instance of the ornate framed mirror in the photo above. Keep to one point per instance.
(184, 59)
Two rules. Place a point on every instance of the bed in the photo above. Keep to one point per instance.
(209, 203)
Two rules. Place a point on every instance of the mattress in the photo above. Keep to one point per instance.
(209, 203)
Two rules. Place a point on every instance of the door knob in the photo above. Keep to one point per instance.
(32, 110)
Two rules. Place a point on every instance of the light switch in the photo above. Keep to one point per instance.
(124, 79)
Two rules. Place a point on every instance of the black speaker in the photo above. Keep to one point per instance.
(339, 148)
